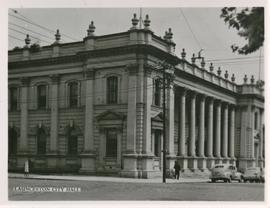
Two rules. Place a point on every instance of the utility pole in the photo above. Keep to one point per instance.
(165, 80)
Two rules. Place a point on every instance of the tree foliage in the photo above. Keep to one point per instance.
(249, 22)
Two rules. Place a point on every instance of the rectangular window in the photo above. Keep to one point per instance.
(42, 96)
(13, 99)
(157, 144)
(112, 90)
(157, 92)
(73, 94)
(256, 121)
(111, 143)
(72, 145)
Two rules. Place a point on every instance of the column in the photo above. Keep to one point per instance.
(130, 156)
(232, 131)
(148, 95)
(88, 157)
(210, 128)
(225, 132)
(250, 124)
(23, 144)
(218, 125)
(201, 126)
(147, 162)
(261, 142)
(182, 126)
(89, 112)
(261, 134)
(54, 114)
(170, 119)
(192, 125)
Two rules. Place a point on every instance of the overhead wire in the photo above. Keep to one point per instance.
(11, 36)
(26, 29)
(189, 26)
(40, 26)
(37, 38)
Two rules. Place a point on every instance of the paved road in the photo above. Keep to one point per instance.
(96, 190)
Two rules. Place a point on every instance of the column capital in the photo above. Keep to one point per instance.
(89, 73)
(232, 106)
(132, 69)
(148, 68)
(55, 78)
(192, 93)
(210, 99)
(225, 104)
(202, 97)
(218, 101)
(25, 81)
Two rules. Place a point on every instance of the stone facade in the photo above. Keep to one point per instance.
(93, 107)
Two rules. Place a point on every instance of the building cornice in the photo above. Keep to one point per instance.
(83, 55)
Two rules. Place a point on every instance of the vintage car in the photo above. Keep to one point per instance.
(253, 174)
(225, 172)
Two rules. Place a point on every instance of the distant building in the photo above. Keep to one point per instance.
(95, 107)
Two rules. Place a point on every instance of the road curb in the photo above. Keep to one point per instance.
(116, 180)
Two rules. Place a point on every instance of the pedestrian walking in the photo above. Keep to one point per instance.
(177, 170)
(26, 168)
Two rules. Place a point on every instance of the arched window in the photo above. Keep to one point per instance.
(157, 92)
(72, 142)
(112, 90)
(12, 141)
(73, 94)
(41, 141)
(13, 98)
(42, 96)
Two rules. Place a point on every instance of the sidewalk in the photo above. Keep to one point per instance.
(107, 178)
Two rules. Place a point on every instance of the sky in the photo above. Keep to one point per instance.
(193, 29)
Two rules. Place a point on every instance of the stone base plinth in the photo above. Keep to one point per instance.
(210, 162)
(202, 163)
(130, 166)
(88, 164)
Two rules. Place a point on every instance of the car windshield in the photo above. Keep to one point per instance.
(219, 166)
(251, 170)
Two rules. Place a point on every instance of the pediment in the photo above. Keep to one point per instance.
(158, 117)
(109, 115)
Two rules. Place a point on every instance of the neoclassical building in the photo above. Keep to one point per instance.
(95, 107)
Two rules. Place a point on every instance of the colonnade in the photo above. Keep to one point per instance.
(216, 129)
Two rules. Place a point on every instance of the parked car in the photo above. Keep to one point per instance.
(225, 172)
(253, 174)
(262, 175)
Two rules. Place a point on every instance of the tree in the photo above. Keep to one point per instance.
(249, 22)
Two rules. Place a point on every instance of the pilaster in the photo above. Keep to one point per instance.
(54, 114)
(23, 144)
